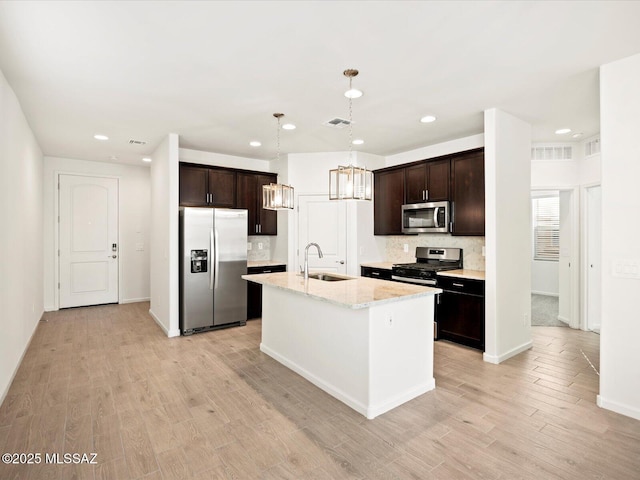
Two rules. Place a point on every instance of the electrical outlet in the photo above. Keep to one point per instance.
(406, 248)
(260, 246)
(249, 245)
(484, 253)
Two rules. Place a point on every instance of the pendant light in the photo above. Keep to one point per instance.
(276, 196)
(351, 182)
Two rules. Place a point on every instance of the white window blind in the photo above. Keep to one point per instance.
(546, 228)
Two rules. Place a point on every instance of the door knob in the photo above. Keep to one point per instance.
(113, 256)
(341, 262)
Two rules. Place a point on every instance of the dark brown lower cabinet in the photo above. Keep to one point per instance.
(373, 272)
(254, 290)
(460, 311)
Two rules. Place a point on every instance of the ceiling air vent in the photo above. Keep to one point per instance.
(137, 142)
(337, 122)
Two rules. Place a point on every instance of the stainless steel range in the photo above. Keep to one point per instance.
(429, 261)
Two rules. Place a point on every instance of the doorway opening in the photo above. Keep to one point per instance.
(554, 265)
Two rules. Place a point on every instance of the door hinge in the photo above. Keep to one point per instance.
(58, 185)
(58, 218)
(58, 252)
(58, 285)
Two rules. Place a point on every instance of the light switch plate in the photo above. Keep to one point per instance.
(248, 245)
(626, 268)
(406, 248)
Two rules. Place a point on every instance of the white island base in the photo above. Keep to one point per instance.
(372, 359)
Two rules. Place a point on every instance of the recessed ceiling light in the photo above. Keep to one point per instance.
(255, 143)
(146, 159)
(289, 126)
(100, 137)
(577, 135)
(353, 93)
(563, 131)
(358, 141)
(428, 119)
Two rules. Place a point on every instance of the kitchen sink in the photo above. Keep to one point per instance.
(326, 277)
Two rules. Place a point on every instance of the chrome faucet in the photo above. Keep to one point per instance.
(306, 258)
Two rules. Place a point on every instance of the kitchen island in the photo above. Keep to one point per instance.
(367, 342)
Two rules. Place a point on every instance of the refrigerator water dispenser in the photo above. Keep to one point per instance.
(199, 260)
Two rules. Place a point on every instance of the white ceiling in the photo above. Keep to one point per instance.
(215, 72)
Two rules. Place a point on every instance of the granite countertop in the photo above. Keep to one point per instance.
(463, 273)
(264, 263)
(354, 293)
(383, 265)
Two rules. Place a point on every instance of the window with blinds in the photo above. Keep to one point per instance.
(546, 228)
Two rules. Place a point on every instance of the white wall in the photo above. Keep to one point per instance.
(620, 124)
(21, 247)
(133, 222)
(544, 278)
(164, 266)
(221, 160)
(565, 287)
(508, 235)
(431, 151)
(309, 175)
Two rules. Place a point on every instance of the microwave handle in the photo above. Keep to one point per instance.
(435, 217)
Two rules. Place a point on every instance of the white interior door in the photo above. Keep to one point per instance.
(324, 222)
(594, 271)
(88, 240)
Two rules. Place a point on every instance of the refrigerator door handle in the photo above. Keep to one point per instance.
(216, 259)
(211, 253)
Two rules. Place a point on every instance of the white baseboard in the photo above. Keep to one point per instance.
(17, 366)
(371, 411)
(563, 319)
(546, 294)
(617, 407)
(496, 359)
(168, 333)
(135, 300)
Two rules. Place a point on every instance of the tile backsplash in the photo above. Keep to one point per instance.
(256, 253)
(471, 248)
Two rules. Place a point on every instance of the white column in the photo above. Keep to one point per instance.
(620, 150)
(508, 235)
(164, 254)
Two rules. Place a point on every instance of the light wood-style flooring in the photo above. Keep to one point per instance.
(107, 380)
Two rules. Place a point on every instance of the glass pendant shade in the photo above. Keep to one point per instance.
(350, 183)
(276, 196)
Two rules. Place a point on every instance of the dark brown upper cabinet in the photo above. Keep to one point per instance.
(249, 196)
(467, 180)
(427, 181)
(201, 186)
(388, 198)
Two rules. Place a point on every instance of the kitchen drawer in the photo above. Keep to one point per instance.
(373, 272)
(254, 290)
(266, 269)
(462, 285)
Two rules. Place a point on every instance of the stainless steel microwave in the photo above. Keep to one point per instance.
(430, 217)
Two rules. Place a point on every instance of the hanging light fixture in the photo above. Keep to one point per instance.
(276, 196)
(351, 182)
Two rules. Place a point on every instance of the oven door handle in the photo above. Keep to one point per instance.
(417, 281)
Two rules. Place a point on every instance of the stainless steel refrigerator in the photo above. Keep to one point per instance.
(213, 257)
